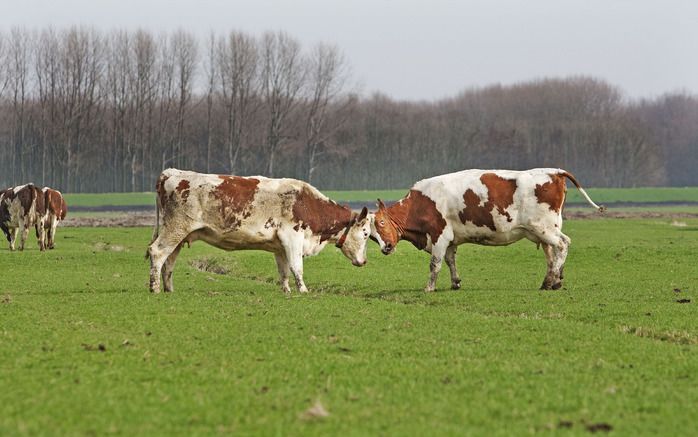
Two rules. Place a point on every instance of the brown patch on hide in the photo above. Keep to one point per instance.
(160, 190)
(269, 223)
(40, 200)
(500, 195)
(418, 217)
(64, 209)
(553, 192)
(324, 217)
(183, 189)
(236, 195)
(53, 201)
(26, 196)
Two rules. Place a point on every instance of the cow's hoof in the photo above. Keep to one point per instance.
(429, 289)
(303, 290)
(556, 286)
(546, 286)
(455, 285)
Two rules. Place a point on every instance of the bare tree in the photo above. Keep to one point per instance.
(327, 78)
(237, 65)
(19, 61)
(185, 55)
(144, 53)
(47, 70)
(282, 79)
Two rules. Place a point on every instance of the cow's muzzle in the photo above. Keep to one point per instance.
(359, 263)
(387, 249)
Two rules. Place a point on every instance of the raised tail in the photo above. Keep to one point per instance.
(571, 177)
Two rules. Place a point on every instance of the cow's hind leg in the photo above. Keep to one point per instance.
(168, 268)
(24, 226)
(282, 266)
(451, 262)
(159, 251)
(560, 256)
(41, 235)
(51, 231)
(14, 234)
(549, 274)
(555, 249)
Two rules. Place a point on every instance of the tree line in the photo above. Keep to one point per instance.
(89, 111)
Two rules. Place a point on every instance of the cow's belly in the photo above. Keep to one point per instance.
(240, 239)
(486, 237)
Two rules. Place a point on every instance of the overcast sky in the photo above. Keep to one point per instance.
(433, 48)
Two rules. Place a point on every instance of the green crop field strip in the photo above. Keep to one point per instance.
(600, 195)
(85, 349)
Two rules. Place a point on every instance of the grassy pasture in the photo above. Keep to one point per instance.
(85, 349)
(600, 195)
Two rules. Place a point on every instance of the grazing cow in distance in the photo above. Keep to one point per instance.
(487, 207)
(287, 217)
(56, 210)
(21, 207)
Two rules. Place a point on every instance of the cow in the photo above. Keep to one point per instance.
(486, 207)
(21, 207)
(56, 210)
(287, 217)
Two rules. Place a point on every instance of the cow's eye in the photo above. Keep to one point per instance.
(381, 223)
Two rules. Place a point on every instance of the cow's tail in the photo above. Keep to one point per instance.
(156, 229)
(571, 177)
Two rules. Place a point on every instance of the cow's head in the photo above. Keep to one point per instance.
(352, 243)
(384, 230)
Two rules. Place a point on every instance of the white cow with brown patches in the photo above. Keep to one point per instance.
(22, 207)
(56, 210)
(487, 207)
(287, 217)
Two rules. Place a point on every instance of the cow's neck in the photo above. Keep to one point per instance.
(406, 216)
(338, 220)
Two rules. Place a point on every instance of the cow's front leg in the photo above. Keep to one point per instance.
(451, 262)
(282, 266)
(168, 269)
(296, 265)
(438, 252)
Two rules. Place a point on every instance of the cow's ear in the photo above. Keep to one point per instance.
(380, 204)
(364, 213)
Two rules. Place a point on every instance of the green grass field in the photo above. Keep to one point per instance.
(600, 195)
(86, 350)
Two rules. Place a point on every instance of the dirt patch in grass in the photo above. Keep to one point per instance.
(591, 215)
(210, 265)
(121, 219)
(678, 337)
